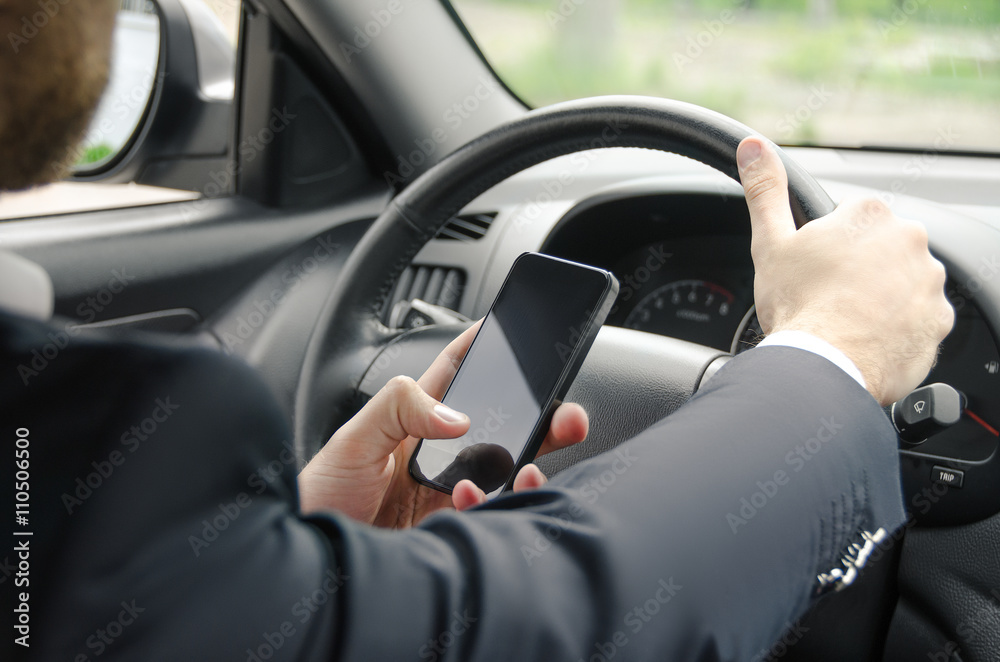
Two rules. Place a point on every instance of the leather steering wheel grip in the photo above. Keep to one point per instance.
(348, 330)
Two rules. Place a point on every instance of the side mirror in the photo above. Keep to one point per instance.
(166, 118)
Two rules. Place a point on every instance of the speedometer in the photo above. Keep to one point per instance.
(693, 310)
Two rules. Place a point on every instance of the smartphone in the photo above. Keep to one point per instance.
(517, 370)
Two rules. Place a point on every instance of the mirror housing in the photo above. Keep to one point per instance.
(186, 132)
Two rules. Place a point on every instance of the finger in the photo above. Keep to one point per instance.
(465, 495)
(399, 410)
(569, 426)
(436, 378)
(529, 477)
(765, 183)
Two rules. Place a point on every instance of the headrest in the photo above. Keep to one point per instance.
(25, 287)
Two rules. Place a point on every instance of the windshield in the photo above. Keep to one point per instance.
(854, 73)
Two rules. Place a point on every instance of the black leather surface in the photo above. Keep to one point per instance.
(348, 329)
(629, 381)
(949, 586)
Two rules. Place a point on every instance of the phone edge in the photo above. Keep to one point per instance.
(570, 369)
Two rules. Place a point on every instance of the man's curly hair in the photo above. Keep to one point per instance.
(54, 60)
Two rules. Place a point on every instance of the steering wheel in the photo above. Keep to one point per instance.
(628, 381)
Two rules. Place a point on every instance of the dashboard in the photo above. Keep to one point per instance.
(682, 258)
(677, 236)
(683, 262)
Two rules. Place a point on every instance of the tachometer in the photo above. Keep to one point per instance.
(693, 310)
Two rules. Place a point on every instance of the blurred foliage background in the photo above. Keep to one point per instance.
(913, 73)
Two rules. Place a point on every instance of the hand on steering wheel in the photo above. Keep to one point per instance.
(363, 471)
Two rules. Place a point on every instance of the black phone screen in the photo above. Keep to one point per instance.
(508, 379)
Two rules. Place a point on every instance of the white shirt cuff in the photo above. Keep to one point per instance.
(811, 343)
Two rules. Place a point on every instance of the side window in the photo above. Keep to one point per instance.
(101, 176)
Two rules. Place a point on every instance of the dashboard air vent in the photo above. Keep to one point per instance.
(438, 285)
(467, 228)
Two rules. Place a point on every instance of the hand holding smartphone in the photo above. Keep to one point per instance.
(517, 370)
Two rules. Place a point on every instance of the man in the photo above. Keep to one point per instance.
(191, 547)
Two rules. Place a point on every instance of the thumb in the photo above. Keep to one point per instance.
(399, 410)
(467, 495)
(766, 186)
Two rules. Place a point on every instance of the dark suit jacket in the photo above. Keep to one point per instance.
(164, 519)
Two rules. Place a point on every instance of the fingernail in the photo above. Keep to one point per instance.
(747, 154)
(448, 414)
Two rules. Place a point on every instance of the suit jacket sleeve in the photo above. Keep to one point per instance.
(700, 539)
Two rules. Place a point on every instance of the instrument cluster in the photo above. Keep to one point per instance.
(684, 267)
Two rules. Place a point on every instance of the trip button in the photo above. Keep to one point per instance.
(947, 476)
